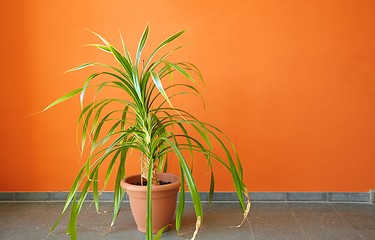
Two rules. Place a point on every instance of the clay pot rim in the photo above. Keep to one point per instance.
(132, 187)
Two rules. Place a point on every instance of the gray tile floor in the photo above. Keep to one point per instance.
(305, 221)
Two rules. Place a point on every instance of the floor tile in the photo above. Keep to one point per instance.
(360, 221)
(268, 221)
(308, 208)
(330, 226)
(275, 226)
(269, 208)
(219, 221)
(354, 207)
(274, 221)
(367, 234)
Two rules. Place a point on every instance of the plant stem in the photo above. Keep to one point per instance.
(145, 164)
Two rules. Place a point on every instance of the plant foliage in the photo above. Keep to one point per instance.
(143, 120)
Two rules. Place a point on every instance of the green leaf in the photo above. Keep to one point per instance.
(71, 196)
(159, 86)
(179, 69)
(126, 52)
(189, 178)
(101, 47)
(141, 117)
(85, 189)
(165, 165)
(64, 98)
(72, 227)
(136, 83)
(212, 186)
(84, 131)
(149, 202)
(141, 44)
(118, 196)
(110, 168)
(95, 191)
(162, 44)
(238, 183)
(82, 66)
(85, 86)
(160, 232)
(123, 61)
(181, 202)
(119, 191)
(123, 117)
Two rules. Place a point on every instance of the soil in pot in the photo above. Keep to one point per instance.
(144, 183)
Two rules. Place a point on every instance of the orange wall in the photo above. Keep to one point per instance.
(291, 82)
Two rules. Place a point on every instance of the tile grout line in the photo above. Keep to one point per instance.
(298, 223)
(251, 228)
(337, 212)
(248, 222)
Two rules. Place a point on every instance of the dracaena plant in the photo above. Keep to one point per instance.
(143, 120)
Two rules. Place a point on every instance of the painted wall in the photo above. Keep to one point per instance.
(291, 82)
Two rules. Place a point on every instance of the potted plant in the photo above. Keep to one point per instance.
(144, 120)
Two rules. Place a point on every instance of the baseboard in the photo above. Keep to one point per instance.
(351, 197)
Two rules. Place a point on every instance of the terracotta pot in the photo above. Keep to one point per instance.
(163, 200)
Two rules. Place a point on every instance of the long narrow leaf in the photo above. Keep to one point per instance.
(82, 66)
(189, 180)
(180, 69)
(72, 227)
(162, 44)
(85, 86)
(119, 191)
(63, 98)
(159, 86)
(143, 119)
(141, 44)
(123, 61)
(126, 52)
(95, 191)
(212, 187)
(99, 46)
(160, 232)
(149, 202)
(181, 203)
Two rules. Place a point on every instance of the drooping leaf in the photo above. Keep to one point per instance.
(160, 232)
(72, 226)
(63, 98)
(82, 66)
(212, 187)
(143, 119)
(159, 86)
(181, 203)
